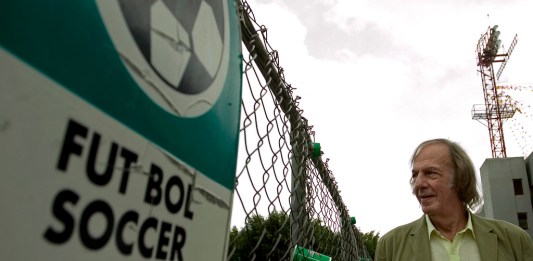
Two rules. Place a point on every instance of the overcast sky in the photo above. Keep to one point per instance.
(378, 77)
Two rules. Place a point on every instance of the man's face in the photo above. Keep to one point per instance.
(432, 177)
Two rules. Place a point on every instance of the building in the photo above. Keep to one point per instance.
(507, 188)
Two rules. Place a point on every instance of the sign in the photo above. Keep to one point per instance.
(118, 129)
(303, 254)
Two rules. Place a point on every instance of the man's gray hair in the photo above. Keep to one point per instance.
(464, 174)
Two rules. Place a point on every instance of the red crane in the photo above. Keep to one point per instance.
(496, 107)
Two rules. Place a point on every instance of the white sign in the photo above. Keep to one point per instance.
(118, 143)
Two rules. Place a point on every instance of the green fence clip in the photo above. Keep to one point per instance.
(316, 149)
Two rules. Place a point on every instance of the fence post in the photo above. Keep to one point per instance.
(298, 193)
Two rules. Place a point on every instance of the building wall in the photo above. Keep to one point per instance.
(529, 169)
(500, 180)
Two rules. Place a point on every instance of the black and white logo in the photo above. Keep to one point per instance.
(176, 50)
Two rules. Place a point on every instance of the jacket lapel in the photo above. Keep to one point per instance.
(487, 241)
(419, 242)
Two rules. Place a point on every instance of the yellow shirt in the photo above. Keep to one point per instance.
(462, 248)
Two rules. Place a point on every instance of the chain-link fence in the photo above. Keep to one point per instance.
(287, 204)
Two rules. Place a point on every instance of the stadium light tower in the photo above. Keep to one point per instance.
(496, 108)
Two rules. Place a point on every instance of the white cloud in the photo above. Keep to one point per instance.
(378, 77)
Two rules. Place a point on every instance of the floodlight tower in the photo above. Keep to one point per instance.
(496, 108)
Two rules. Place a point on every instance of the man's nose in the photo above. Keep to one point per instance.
(419, 181)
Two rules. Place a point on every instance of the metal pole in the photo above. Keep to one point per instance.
(298, 193)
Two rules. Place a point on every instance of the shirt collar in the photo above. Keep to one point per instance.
(432, 228)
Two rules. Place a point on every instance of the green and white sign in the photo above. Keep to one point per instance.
(118, 128)
(304, 254)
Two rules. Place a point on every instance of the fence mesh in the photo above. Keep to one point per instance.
(287, 204)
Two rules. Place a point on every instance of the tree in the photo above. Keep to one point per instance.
(370, 240)
(266, 239)
(270, 239)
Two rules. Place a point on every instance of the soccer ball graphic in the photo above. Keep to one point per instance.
(182, 40)
(176, 51)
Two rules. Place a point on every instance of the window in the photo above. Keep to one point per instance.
(517, 184)
(522, 220)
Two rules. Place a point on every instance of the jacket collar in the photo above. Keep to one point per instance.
(418, 240)
(486, 239)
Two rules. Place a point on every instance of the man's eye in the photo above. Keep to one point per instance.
(432, 174)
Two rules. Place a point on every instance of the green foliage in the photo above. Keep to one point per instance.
(370, 239)
(270, 239)
(325, 241)
(264, 238)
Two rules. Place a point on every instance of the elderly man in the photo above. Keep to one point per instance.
(444, 182)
